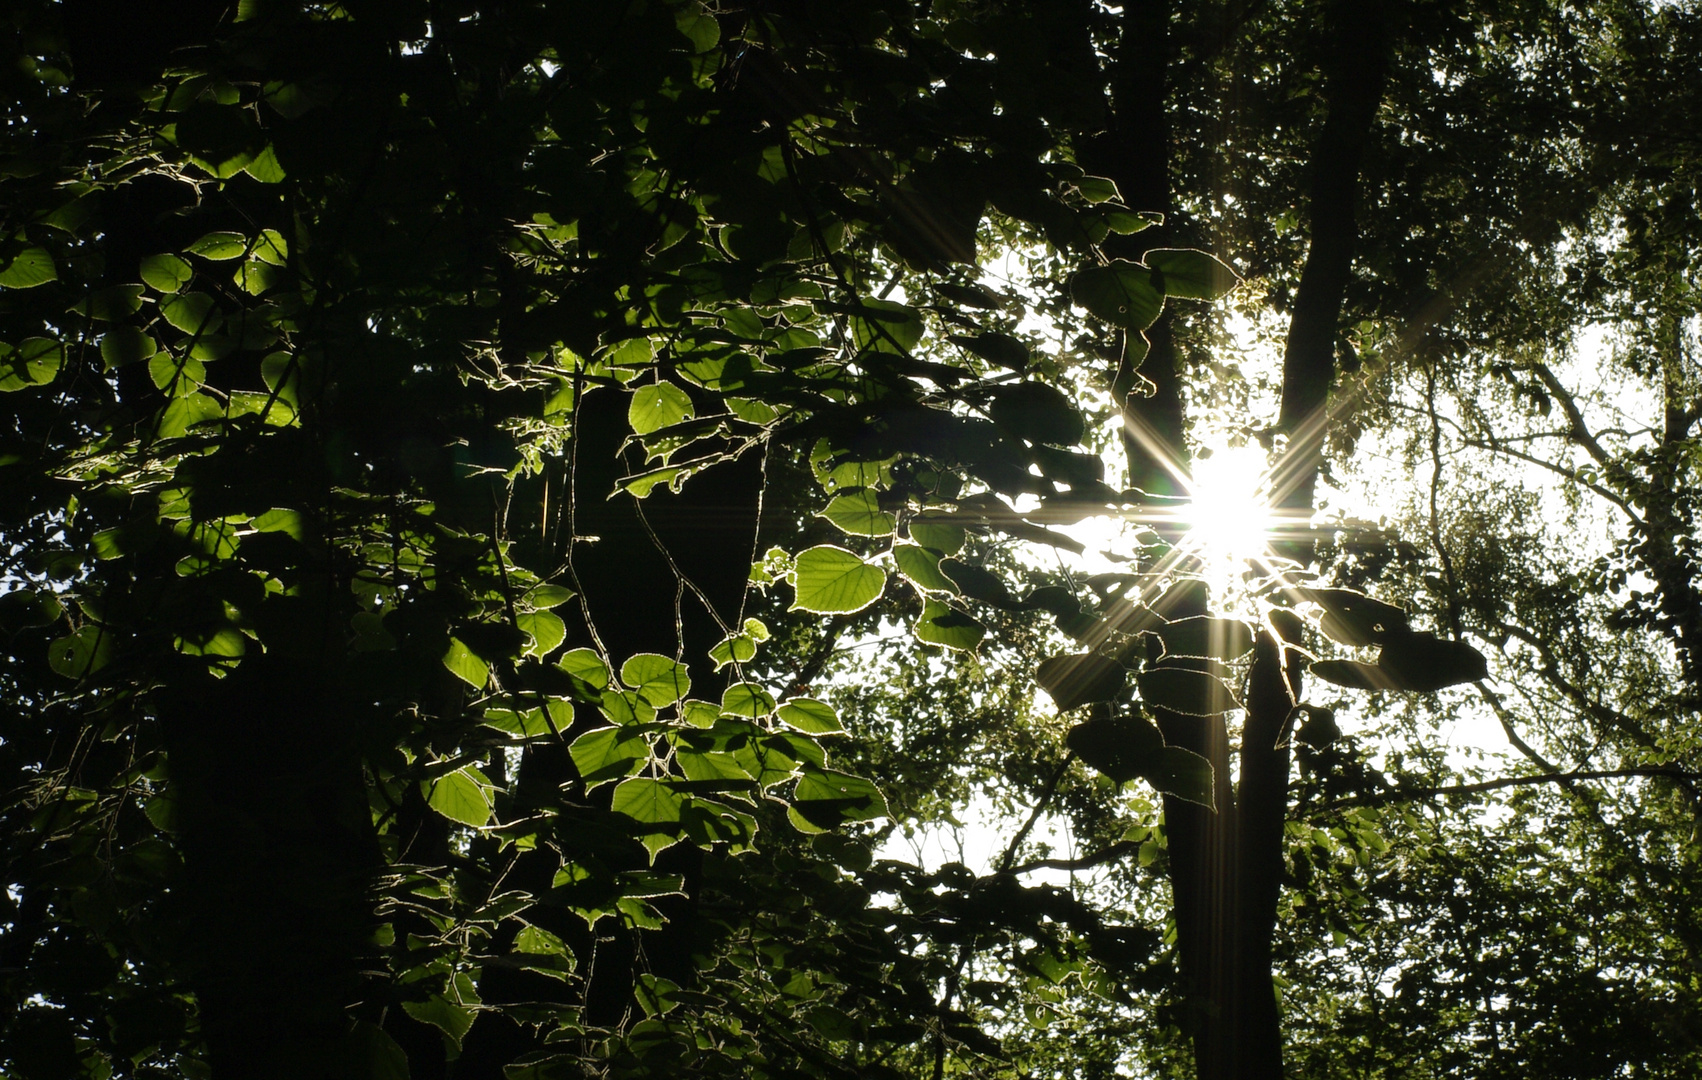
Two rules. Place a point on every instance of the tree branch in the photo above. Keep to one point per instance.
(1413, 794)
(1086, 862)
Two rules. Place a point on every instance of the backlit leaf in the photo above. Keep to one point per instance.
(465, 665)
(1123, 294)
(82, 653)
(463, 795)
(546, 628)
(811, 717)
(830, 580)
(886, 326)
(658, 679)
(921, 568)
(609, 753)
(28, 268)
(1193, 693)
(1192, 275)
(858, 513)
(940, 624)
(220, 246)
(587, 665)
(1076, 679)
(166, 273)
(657, 406)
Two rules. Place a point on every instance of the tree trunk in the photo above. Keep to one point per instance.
(1226, 862)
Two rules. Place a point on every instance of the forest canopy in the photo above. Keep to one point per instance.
(548, 539)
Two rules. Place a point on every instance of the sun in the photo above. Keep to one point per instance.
(1228, 513)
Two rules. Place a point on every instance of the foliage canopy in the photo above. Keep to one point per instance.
(449, 446)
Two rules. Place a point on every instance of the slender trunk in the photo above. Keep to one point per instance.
(1355, 88)
(1135, 152)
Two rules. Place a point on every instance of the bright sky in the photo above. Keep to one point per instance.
(1231, 522)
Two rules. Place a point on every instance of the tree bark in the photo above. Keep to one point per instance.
(1226, 862)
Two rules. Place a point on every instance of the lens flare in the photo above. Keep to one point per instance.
(1228, 517)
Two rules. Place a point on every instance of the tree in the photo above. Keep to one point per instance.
(357, 728)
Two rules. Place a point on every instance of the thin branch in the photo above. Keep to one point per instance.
(1435, 493)
(1086, 862)
(1413, 794)
(1569, 405)
(1498, 446)
(1034, 816)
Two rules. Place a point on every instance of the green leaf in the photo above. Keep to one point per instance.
(655, 807)
(1038, 413)
(464, 795)
(34, 362)
(832, 581)
(1123, 294)
(166, 273)
(609, 753)
(377, 1054)
(187, 411)
(643, 484)
(547, 631)
(1128, 222)
(220, 246)
(170, 372)
(942, 625)
(465, 665)
(281, 519)
(657, 406)
(533, 723)
(626, 707)
(1077, 679)
(271, 247)
(1192, 275)
(265, 167)
(1220, 639)
(1121, 747)
(859, 513)
(1001, 349)
(587, 665)
(123, 345)
(747, 699)
(541, 597)
(811, 717)
(711, 770)
(1098, 189)
(825, 798)
(192, 313)
(658, 680)
(535, 942)
(977, 582)
(452, 1019)
(921, 568)
(886, 326)
(938, 537)
(30, 267)
(1182, 773)
(112, 304)
(161, 809)
(699, 26)
(82, 653)
(1192, 693)
(739, 648)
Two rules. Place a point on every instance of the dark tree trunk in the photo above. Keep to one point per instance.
(1355, 89)
(1226, 862)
